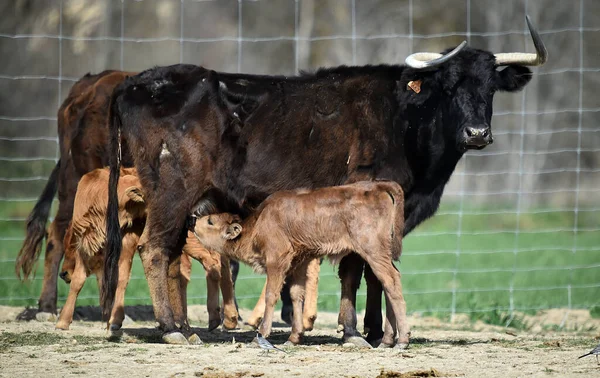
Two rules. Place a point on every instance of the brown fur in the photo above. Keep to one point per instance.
(293, 228)
(86, 236)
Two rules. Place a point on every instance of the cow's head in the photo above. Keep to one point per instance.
(215, 230)
(464, 81)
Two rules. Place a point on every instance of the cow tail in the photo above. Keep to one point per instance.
(398, 228)
(36, 227)
(113, 228)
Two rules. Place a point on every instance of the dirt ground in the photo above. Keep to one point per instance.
(438, 348)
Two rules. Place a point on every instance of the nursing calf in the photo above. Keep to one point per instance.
(84, 251)
(291, 229)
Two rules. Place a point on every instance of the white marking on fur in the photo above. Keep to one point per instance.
(222, 85)
(165, 151)
(348, 161)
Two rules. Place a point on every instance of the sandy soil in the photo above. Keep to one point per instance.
(438, 348)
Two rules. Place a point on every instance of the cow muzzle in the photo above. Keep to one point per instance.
(476, 138)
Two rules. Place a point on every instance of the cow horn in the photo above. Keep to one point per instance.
(426, 59)
(526, 59)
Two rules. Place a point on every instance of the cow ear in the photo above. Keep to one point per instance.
(513, 78)
(232, 231)
(135, 194)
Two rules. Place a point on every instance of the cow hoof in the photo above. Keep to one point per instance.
(175, 338)
(115, 331)
(213, 324)
(194, 340)
(61, 327)
(230, 324)
(384, 346)
(358, 342)
(401, 346)
(45, 317)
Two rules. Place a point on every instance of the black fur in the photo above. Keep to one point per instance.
(36, 227)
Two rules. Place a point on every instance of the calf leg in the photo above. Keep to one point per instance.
(176, 292)
(230, 309)
(389, 335)
(275, 277)
(350, 273)
(389, 277)
(311, 294)
(212, 267)
(373, 319)
(77, 281)
(259, 309)
(297, 291)
(125, 261)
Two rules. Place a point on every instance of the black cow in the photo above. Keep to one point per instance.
(196, 133)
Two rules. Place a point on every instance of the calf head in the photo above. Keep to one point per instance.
(458, 87)
(216, 230)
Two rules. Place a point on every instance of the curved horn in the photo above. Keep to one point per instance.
(425, 59)
(526, 59)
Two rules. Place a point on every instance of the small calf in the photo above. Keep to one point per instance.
(84, 250)
(292, 228)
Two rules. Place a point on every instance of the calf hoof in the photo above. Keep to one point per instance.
(115, 330)
(254, 323)
(230, 324)
(309, 323)
(45, 317)
(383, 345)
(213, 324)
(289, 343)
(358, 342)
(61, 326)
(401, 346)
(194, 340)
(175, 338)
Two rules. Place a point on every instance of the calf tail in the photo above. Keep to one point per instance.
(113, 228)
(398, 226)
(36, 227)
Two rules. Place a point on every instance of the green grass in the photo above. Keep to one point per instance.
(472, 271)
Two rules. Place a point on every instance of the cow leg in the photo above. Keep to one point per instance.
(176, 292)
(67, 187)
(230, 308)
(54, 254)
(373, 319)
(390, 279)
(235, 269)
(311, 293)
(125, 261)
(350, 273)
(297, 291)
(287, 309)
(259, 309)
(77, 280)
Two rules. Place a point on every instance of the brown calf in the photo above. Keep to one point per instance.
(84, 250)
(292, 228)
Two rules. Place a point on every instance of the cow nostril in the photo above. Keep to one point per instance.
(470, 131)
(485, 133)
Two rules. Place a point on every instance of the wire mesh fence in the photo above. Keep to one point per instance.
(518, 228)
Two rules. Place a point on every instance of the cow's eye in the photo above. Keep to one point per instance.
(210, 223)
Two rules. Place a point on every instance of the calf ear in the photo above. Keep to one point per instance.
(232, 231)
(135, 194)
(513, 78)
